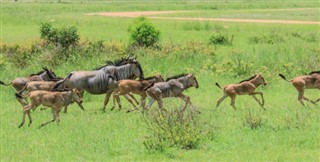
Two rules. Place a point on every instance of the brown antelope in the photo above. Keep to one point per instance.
(55, 100)
(37, 85)
(172, 87)
(247, 86)
(310, 81)
(126, 87)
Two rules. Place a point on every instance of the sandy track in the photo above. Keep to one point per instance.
(151, 14)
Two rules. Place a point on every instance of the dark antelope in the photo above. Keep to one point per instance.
(126, 87)
(55, 100)
(310, 81)
(247, 86)
(19, 83)
(103, 80)
(172, 87)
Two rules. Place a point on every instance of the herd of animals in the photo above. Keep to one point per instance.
(119, 78)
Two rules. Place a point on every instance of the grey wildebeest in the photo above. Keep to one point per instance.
(126, 87)
(310, 81)
(53, 99)
(45, 75)
(247, 86)
(172, 87)
(104, 79)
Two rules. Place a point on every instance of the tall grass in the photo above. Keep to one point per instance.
(286, 131)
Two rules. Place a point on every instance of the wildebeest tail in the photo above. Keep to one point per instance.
(1, 82)
(20, 96)
(59, 83)
(283, 77)
(21, 91)
(217, 84)
(149, 86)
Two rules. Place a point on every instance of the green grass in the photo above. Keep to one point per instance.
(288, 131)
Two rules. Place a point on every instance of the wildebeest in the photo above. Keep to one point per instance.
(172, 87)
(104, 79)
(45, 75)
(247, 86)
(54, 99)
(310, 81)
(126, 87)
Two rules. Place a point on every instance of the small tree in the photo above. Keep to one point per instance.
(143, 32)
(65, 37)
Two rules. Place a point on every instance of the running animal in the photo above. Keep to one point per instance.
(310, 81)
(172, 87)
(55, 100)
(247, 86)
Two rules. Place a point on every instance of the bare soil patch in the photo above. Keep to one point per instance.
(151, 14)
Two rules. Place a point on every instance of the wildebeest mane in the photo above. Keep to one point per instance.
(248, 79)
(176, 76)
(149, 78)
(40, 72)
(314, 72)
(118, 62)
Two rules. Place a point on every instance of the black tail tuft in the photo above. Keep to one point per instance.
(18, 95)
(1, 82)
(283, 77)
(217, 84)
(149, 86)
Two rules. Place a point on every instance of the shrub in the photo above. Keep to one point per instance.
(267, 39)
(219, 39)
(172, 129)
(143, 33)
(65, 37)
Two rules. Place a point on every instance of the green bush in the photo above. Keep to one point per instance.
(64, 37)
(173, 128)
(219, 39)
(143, 33)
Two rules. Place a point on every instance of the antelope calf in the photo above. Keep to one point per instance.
(310, 81)
(54, 99)
(126, 87)
(247, 86)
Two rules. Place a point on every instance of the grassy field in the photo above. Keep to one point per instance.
(288, 131)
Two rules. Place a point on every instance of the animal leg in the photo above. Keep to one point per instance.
(23, 102)
(106, 101)
(53, 116)
(313, 102)
(143, 100)
(221, 99)
(151, 101)
(116, 98)
(130, 100)
(30, 119)
(132, 96)
(233, 101)
(186, 99)
(25, 111)
(65, 109)
(258, 102)
(261, 94)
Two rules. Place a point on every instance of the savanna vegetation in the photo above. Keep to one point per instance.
(34, 34)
